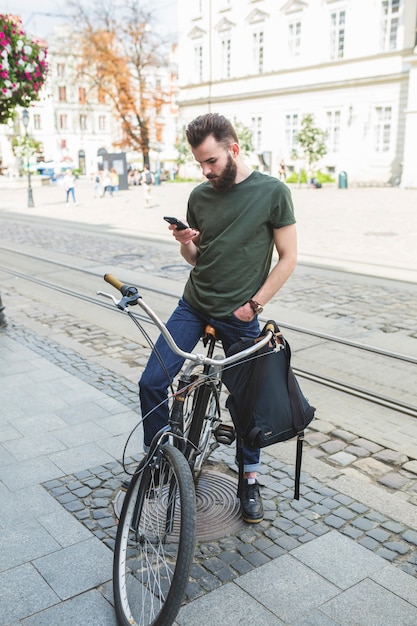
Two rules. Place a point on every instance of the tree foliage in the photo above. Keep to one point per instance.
(119, 53)
(311, 140)
(23, 67)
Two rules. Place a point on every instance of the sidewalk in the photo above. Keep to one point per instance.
(325, 560)
(55, 571)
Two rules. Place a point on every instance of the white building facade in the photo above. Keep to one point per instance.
(76, 124)
(352, 64)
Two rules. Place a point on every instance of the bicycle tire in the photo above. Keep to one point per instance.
(155, 541)
(202, 405)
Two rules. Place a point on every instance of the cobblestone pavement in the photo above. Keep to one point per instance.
(389, 307)
(89, 494)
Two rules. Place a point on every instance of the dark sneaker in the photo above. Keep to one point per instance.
(251, 503)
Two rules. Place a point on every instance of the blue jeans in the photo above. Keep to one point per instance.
(186, 326)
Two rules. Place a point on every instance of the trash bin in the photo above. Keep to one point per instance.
(343, 180)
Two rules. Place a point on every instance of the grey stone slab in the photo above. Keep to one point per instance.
(226, 606)
(339, 559)
(64, 528)
(79, 434)
(79, 458)
(80, 412)
(369, 604)
(19, 507)
(38, 423)
(33, 445)
(88, 609)
(115, 445)
(5, 457)
(7, 431)
(120, 423)
(23, 591)
(398, 582)
(78, 568)
(287, 588)
(30, 472)
(25, 543)
(315, 618)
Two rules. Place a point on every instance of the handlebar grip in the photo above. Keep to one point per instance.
(115, 282)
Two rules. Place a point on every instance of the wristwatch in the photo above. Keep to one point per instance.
(256, 307)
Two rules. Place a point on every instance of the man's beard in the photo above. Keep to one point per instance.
(227, 178)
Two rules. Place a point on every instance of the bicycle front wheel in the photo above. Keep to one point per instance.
(155, 542)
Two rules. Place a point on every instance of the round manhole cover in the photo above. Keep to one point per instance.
(218, 508)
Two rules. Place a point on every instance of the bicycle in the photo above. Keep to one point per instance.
(155, 538)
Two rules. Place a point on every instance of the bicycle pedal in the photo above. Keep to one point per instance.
(224, 434)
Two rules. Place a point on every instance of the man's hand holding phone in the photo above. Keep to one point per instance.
(180, 230)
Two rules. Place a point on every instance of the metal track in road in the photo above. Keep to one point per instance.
(338, 385)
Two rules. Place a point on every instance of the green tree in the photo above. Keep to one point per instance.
(311, 140)
(244, 135)
(23, 67)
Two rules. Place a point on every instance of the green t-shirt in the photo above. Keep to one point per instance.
(236, 241)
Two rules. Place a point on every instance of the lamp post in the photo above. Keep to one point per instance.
(25, 120)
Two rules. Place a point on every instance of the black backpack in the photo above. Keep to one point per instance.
(266, 403)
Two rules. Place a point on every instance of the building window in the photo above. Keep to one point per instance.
(294, 38)
(102, 122)
(291, 130)
(63, 121)
(37, 125)
(62, 93)
(390, 22)
(101, 96)
(60, 70)
(83, 122)
(198, 62)
(383, 129)
(257, 133)
(337, 34)
(226, 57)
(258, 51)
(82, 95)
(333, 131)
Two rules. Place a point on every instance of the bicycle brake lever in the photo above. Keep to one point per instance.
(108, 295)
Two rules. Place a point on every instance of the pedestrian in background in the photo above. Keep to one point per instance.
(147, 181)
(97, 184)
(114, 178)
(282, 171)
(107, 185)
(69, 185)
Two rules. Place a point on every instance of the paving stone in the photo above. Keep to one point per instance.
(344, 435)
(332, 446)
(378, 534)
(368, 445)
(392, 457)
(341, 458)
(372, 467)
(333, 521)
(411, 466)
(357, 451)
(410, 536)
(393, 481)
(397, 546)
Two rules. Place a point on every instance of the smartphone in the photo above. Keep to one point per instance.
(173, 220)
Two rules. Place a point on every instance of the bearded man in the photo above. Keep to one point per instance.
(236, 218)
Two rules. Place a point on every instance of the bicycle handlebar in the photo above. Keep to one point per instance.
(132, 297)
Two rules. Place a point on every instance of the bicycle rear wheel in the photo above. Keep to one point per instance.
(155, 542)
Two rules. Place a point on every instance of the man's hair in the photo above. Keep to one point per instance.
(210, 124)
